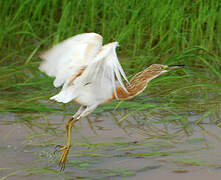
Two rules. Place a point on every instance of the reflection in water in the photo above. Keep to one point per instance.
(112, 145)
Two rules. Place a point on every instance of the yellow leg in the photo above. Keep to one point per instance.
(82, 112)
(66, 148)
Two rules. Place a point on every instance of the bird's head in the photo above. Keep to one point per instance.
(162, 68)
(158, 69)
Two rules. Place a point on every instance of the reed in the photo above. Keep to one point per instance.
(169, 32)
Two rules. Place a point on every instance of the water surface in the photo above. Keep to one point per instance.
(103, 148)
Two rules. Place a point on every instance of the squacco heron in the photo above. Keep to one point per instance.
(91, 75)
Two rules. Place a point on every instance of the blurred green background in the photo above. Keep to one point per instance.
(167, 32)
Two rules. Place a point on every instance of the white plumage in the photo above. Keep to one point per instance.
(88, 71)
(66, 58)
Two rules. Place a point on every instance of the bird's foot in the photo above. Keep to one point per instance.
(64, 155)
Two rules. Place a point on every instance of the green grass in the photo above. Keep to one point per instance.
(167, 32)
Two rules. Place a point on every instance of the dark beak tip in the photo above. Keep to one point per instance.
(178, 65)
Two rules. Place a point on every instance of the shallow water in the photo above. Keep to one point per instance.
(105, 149)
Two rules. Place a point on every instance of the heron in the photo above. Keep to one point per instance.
(90, 75)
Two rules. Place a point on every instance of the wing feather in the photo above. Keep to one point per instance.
(66, 59)
(105, 67)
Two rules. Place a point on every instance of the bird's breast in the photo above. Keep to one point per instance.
(90, 95)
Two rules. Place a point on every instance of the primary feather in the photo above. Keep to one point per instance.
(105, 68)
(64, 60)
(89, 72)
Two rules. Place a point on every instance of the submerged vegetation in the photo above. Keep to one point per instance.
(169, 32)
(165, 32)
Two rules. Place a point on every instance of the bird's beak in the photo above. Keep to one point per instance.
(170, 67)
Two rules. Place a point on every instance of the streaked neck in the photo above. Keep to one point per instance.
(137, 84)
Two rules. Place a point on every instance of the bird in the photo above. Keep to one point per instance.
(90, 75)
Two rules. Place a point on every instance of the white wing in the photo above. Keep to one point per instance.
(105, 67)
(102, 75)
(66, 59)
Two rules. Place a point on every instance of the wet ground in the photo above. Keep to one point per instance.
(103, 148)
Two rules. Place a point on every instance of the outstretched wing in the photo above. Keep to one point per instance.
(66, 59)
(102, 74)
(105, 68)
